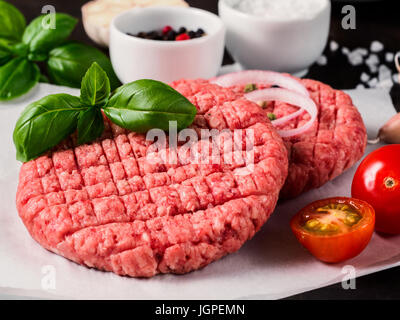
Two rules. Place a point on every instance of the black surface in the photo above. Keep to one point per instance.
(376, 20)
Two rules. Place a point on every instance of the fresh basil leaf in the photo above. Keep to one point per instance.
(5, 51)
(146, 104)
(90, 125)
(37, 56)
(17, 77)
(95, 88)
(44, 124)
(20, 49)
(5, 56)
(12, 22)
(41, 37)
(68, 63)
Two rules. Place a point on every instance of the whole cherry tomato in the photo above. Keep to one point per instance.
(377, 180)
(334, 229)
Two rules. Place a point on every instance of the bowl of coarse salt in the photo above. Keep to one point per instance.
(284, 35)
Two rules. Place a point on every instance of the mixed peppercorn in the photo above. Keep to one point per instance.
(170, 34)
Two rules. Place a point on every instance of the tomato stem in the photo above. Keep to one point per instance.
(389, 182)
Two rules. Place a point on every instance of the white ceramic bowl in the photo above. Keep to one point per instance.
(135, 58)
(290, 45)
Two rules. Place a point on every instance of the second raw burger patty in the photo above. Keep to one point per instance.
(333, 144)
(104, 205)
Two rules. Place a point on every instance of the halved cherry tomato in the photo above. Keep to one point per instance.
(377, 180)
(334, 229)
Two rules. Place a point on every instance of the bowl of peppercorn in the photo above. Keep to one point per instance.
(166, 44)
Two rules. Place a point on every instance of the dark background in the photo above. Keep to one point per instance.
(376, 20)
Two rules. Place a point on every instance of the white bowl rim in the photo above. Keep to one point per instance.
(275, 21)
(218, 20)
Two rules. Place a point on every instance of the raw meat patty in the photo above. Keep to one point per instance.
(333, 144)
(105, 206)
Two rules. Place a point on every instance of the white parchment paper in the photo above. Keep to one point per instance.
(272, 265)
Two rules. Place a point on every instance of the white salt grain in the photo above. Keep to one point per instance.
(373, 59)
(364, 77)
(355, 58)
(373, 68)
(360, 86)
(362, 51)
(345, 51)
(389, 57)
(322, 60)
(372, 62)
(396, 78)
(384, 73)
(373, 82)
(333, 46)
(385, 84)
(376, 46)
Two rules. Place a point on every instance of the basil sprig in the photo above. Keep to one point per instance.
(12, 22)
(66, 62)
(44, 123)
(138, 106)
(90, 125)
(95, 91)
(5, 51)
(22, 46)
(41, 39)
(17, 77)
(95, 88)
(145, 104)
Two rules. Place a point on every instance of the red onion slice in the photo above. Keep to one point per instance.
(260, 77)
(276, 94)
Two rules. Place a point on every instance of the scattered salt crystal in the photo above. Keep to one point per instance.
(385, 84)
(376, 46)
(360, 86)
(389, 56)
(396, 78)
(345, 51)
(355, 58)
(372, 59)
(322, 60)
(373, 82)
(333, 46)
(362, 51)
(372, 62)
(384, 73)
(364, 77)
(373, 69)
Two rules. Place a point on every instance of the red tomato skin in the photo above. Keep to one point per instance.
(340, 247)
(369, 185)
(336, 249)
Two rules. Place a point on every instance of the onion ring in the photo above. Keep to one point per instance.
(277, 94)
(263, 77)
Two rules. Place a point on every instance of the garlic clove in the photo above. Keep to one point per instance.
(390, 131)
(98, 14)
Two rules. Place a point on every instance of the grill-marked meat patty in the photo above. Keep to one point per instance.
(333, 144)
(104, 205)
